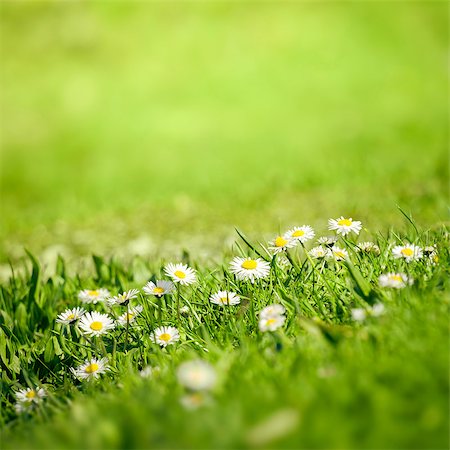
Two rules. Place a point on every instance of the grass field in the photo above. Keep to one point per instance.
(145, 133)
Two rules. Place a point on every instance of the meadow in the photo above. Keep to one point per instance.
(138, 135)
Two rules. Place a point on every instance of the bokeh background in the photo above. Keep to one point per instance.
(145, 128)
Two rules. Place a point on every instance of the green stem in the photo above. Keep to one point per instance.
(126, 332)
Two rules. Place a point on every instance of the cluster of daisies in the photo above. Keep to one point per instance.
(198, 376)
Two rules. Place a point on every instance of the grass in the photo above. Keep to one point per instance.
(322, 381)
(127, 120)
(137, 134)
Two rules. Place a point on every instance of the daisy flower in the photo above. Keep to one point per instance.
(194, 400)
(92, 368)
(329, 241)
(93, 296)
(165, 336)
(159, 289)
(124, 298)
(184, 310)
(339, 254)
(300, 234)
(360, 314)
(394, 280)
(272, 311)
(70, 316)
(271, 323)
(249, 269)
(223, 298)
(149, 371)
(181, 273)
(368, 247)
(197, 375)
(129, 316)
(409, 252)
(319, 252)
(95, 324)
(30, 395)
(280, 244)
(431, 253)
(344, 226)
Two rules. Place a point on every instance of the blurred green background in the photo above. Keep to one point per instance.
(127, 126)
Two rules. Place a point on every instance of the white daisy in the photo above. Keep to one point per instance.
(300, 234)
(30, 395)
(339, 254)
(194, 400)
(280, 244)
(344, 226)
(271, 323)
(165, 336)
(272, 311)
(431, 253)
(319, 252)
(360, 314)
(93, 296)
(129, 316)
(394, 280)
(377, 310)
(149, 371)
(124, 298)
(181, 273)
(249, 269)
(368, 247)
(159, 289)
(197, 375)
(92, 368)
(184, 310)
(70, 316)
(409, 252)
(95, 323)
(225, 298)
(329, 241)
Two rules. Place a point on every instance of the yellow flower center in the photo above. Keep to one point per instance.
(224, 300)
(96, 326)
(407, 251)
(298, 233)
(179, 274)
(345, 223)
(396, 278)
(93, 293)
(339, 254)
(91, 368)
(270, 321)
(71, 317)
(165, 337)
(159, 290)
(30, 395)
(280, 242)
(129, 316)
(249, 264)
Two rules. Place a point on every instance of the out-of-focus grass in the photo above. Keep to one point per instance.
(185, 119)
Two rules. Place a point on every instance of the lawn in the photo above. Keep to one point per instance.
(146, 133)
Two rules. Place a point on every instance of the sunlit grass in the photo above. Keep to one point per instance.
(321, 380)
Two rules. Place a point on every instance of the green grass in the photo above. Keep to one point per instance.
(168, 119)
(145, 133)
(322, 381)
